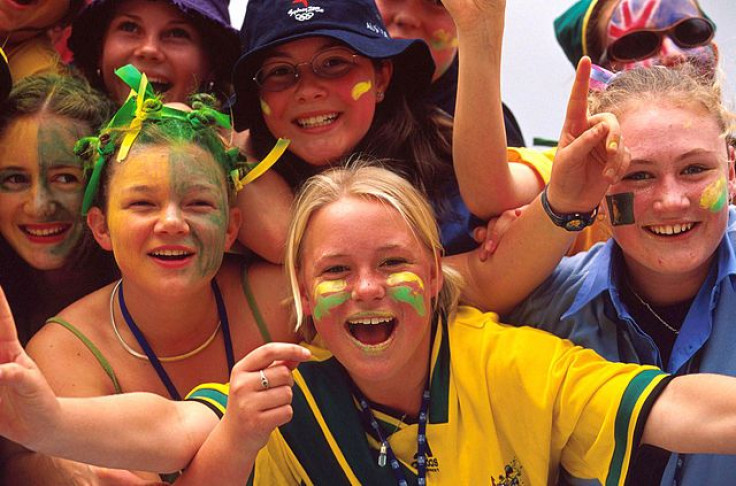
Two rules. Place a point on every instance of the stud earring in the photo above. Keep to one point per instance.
(379, 95)
(99, 72)
(210, 86)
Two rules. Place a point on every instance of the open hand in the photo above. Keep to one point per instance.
(28, 406)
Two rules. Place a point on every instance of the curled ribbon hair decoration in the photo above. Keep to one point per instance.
(142, 107)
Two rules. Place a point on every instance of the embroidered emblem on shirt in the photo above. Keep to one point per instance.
(511, 475)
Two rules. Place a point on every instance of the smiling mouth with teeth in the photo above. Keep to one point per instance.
(371, 330)
(671, 229)
(317, 121)
(45, 231)
(171, 255)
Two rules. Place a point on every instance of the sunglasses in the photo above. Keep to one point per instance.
(641, 44)
(331, 63)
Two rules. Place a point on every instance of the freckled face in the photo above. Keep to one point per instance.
(679, 176)
(426, 20)
(25, 19)
(159, 40)
(325, 119)
(168, 218)
(371, 303)
(627, 16)
(41, 189)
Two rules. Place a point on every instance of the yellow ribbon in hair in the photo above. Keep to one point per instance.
(273, 156)
(136, 124)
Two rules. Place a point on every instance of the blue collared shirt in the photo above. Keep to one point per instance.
(581, 301)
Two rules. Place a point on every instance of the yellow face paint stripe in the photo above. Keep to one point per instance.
(360, 89)
(404, 277)
(265, 108)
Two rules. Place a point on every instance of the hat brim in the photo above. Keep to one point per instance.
(412, 73)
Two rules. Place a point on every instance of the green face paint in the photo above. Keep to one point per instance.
(360, 89)
(57, 163)
(715, 196)
(407, 287)
(328, 295)
(198, 183)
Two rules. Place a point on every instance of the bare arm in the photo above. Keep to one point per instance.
(489, 184)
(133, 431)
(264, 205)
(589, 159)
(695, 414)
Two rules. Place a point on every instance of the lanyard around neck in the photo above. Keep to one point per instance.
(387, 451)
(155, 362)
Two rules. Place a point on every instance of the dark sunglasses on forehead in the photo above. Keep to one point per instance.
(641, 44)
(331, 63)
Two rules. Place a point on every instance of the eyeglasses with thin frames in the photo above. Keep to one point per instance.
(331, 63)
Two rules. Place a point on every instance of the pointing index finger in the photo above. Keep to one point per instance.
(264, 356)
(576, 117)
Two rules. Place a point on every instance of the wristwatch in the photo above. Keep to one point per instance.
(569, 221)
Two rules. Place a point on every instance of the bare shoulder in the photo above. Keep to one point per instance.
(65, 360)
(270, 290)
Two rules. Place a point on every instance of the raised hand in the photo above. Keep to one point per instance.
(260, 392)
(28, 406)
(591, 154)
(468, 14)
(259, 401)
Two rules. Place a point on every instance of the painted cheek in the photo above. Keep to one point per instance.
(715, 197)
(408, 288)
(208, 229)
(360, 89)
(265, 108)
(442, 40)
(327, 296)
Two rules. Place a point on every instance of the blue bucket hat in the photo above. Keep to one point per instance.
(211, 17)
(356, 23)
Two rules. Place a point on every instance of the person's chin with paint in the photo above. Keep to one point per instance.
(624, 34)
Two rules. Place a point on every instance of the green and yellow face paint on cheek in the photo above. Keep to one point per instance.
(360, 89)
(715, 196)
(408, 288)
(328, 295)
(441, 39)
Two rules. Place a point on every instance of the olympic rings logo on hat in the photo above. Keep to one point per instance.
(302, 14)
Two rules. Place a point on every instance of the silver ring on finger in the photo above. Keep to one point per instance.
(264, 381)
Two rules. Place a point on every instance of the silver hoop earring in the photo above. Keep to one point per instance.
(379, 96)
(99, 72)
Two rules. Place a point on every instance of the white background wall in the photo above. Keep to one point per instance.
(536, 74)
